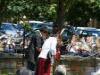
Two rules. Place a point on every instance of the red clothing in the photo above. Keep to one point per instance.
(43, 67)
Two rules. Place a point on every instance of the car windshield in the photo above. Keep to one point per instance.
(89, 32)
(66, 34)
(7, 27)
(18, 26)
(36, 25)
(94, 33)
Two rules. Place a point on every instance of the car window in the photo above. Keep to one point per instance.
(91, 32)
(18, 26)
(66, 35)
(35, 25)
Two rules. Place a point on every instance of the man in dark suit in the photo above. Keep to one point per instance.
(35, 46)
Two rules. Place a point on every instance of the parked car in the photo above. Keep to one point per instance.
(11, 32)
(19, 28)
(8, 29)
(92, 33)
(67, 33)
(36, 24)
(49, 25)
(88, 31)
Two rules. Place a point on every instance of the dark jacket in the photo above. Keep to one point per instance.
(36, 42)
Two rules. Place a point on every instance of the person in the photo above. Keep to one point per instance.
(74, 45)
(41, 36)
(85, 49)
(98, 46)
(9, 47)
(88, 45)
(91, 42)
(44, 62)
(35, 47)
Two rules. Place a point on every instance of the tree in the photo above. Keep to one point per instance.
(79, 14)
(33, 9)
(83, 11)
(3, 7)
(75, 12)
(63, 6)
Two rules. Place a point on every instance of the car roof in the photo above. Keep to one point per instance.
(7, 23)
(36, 22)
(86, 28)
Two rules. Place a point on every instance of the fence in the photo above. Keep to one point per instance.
(9, 63)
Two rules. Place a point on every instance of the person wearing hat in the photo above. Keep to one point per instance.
(44, 32)
(35, 46)
(40, 38)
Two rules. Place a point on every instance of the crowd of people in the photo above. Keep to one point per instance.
(84, 45)
(80, 45)
(43, 47)
(44, 51)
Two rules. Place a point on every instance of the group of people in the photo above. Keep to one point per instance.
(83, 45)
(42, 50)
(7, 44)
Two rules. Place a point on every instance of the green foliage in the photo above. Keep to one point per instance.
(51, 12)
(96, 9)
(32, 9)
(3, 9)
(82, 11)
(27, 27)
(44, 12)
(75, 11)
(17, 8)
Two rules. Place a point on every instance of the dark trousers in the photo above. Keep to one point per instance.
(30, 65)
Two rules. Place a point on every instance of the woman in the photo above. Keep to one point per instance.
(98, 45)
(75, 44)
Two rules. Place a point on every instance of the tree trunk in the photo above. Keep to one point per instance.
(60, 13)
(3, 9)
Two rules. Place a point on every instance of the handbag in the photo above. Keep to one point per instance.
(49, 55)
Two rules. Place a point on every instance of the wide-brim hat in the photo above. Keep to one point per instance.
(44, 29)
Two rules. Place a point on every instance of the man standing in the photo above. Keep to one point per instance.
(35, 46)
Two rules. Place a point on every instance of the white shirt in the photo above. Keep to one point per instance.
(49, 44)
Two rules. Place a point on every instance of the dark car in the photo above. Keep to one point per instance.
(36, 24)
(49, 26)
(67, 33)
(93, 32)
